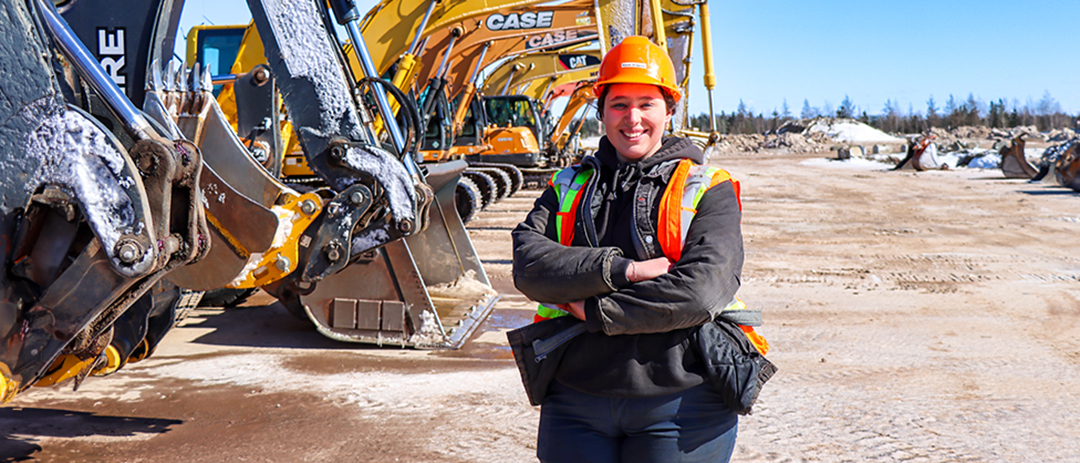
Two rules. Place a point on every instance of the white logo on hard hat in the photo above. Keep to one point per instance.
(634, 65)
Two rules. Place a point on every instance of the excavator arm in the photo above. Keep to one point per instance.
(537, 73)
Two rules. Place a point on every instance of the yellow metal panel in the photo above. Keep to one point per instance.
(389, 28)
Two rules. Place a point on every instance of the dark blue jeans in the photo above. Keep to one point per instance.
(689, 426)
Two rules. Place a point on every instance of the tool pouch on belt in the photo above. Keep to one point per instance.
(538, 348)
(734, 366)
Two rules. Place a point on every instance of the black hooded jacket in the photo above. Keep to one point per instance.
(638, 339)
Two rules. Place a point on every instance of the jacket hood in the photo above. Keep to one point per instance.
(670, 148)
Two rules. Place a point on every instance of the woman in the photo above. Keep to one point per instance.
(631, 388)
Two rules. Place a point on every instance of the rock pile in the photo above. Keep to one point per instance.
(804, 136)
(792, 142)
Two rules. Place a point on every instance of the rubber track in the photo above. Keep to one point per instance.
(467, 199)
(517, 180)
(486, 184)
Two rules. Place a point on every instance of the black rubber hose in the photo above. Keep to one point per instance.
(411, 115)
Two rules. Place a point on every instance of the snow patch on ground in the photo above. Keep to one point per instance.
(986, 161)
(851, 131)
(852, 163)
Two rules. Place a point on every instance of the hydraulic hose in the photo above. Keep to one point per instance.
(412, 118)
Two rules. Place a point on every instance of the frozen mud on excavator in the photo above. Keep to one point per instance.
(98, 205)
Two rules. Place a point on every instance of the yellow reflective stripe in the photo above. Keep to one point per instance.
(568, 188)
(737, 304)
(548, 312)
(561, 182)
(708, 174)
(568, 191)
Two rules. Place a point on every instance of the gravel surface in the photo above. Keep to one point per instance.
(927, 316)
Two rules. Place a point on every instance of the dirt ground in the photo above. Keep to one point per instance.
(929, 316)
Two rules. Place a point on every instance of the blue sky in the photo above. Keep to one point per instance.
(767, 51)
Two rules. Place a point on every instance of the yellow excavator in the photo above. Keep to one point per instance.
(403, 304)
(452, 52)
(523, 90)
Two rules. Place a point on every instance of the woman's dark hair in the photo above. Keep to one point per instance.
(669, 102)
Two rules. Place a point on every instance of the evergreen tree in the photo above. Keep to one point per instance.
(995, 118)
(933, 119)
(846, 109)
(785, 112)
(807, 111)
(972, 111)
(953, 113)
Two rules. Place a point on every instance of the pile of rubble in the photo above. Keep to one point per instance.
(973, 136)
(814, 142)
(829, 134)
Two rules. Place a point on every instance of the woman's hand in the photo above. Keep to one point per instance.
(635, 272)
(575, 309)
(648, 269)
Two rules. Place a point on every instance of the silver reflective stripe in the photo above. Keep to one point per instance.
(697, 180)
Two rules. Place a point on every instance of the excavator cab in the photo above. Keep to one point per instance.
(513, 131)
(472, 125)
(214, 48)
(439, 132)
(516, 111)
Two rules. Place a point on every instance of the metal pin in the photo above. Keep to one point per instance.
(282, 263)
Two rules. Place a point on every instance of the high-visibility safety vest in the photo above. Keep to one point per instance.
(678, 206)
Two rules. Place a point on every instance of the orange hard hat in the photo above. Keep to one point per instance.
(636, 60)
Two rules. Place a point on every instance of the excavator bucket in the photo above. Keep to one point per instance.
(436, 301)
(443, 284)
(1048, 163)
(1013, 162)
(423, 285)
(1066, 169)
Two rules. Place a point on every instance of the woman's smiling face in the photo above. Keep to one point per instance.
(635, 116)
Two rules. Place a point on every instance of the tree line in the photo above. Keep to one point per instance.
(1045, 114)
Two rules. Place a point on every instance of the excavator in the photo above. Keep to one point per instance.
(307, 246)
(100, 205)
(537, 79)
(475, 38)
(412, 300)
